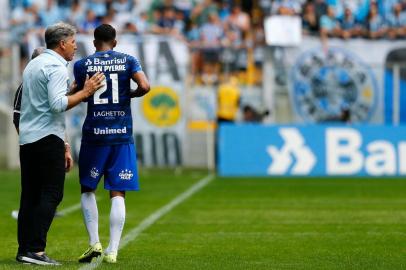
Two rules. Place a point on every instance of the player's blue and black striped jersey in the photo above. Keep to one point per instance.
(108, 119)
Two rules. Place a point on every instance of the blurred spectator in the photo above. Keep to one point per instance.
(193, 40)
(112, 19)
(98, 7)
(179, 25)
(211, 34)
(237, 34)
(138, 7)
(90, 22)
(232, 46)
(320, 7)
(24, 22)
(76, 13)
(65, 3)
(359, 8)
(259, 43)
(348, 25)
(140, 24)
(51, 14)
(224, 10)
(397, 23)
(201, 11)
(329, 26)
(121, 6)
(375, 24)
(40, 4)
(239, 19)
(166, 22)
(385, 7)
(310, 22)
(286, 7)
(184, 6)
(265, 6)
(129, 28)
(228, 101)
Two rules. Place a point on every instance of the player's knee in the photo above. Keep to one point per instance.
(85, 189)
(114, 193)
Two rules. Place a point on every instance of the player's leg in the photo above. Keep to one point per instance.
(91, 220)
(91, 164)
(117, 220)
(120, 176)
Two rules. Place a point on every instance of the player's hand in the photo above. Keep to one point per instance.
(68, 158)
(94, 83)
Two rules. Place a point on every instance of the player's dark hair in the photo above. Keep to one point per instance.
(105, 33)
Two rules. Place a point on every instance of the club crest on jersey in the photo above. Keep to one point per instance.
(88, 62)
(94, 173)
(126, 174)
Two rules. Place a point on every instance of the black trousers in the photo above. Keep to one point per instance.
(42, 182)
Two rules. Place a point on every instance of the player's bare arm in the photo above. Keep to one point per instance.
(90, 87)
(143, 84)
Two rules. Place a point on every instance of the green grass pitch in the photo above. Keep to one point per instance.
(273, 223)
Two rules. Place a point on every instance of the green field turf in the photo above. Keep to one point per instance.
(235, 224)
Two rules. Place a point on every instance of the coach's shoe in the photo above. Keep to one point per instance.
(34, 258)
(110, 258)
(92, 252)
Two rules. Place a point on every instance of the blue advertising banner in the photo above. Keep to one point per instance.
(313, 150)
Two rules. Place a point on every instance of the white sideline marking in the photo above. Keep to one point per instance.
(63, 212)
(135, 232)
(70, 209)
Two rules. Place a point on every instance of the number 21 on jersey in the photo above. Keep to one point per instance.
(114, 90)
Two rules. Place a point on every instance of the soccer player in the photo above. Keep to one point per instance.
(107, 137)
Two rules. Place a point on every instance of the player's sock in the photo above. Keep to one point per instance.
(90, 216)
(117, 219)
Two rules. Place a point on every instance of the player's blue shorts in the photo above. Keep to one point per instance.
(116, 162)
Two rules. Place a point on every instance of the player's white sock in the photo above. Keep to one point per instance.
(117, 219)
(90, 216)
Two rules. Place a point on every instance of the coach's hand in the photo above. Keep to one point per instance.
(68, 158)
(89, 88)
(73, 88)
(94, 83)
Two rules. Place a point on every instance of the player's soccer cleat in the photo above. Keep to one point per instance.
(92, 252)
(110, 258)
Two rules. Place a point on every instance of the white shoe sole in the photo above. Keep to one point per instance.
(27, 260)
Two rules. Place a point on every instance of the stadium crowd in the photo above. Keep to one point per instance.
(227, 32)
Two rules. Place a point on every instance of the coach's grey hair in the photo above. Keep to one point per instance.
(37, 51)
(57, 32)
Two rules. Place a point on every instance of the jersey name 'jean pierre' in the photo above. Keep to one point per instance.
(108, 119)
